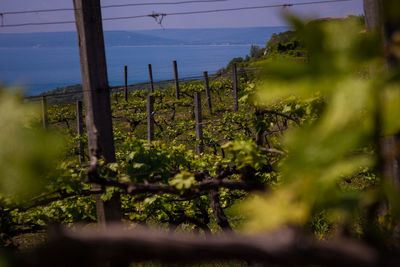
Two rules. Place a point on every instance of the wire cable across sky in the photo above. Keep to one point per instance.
(110, 6)
(162, 15)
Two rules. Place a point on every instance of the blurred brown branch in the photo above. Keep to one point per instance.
(286, 247)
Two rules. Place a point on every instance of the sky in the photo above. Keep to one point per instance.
(233, 19)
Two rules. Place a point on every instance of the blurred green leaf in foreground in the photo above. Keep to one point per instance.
(345, 67)
(29, 155)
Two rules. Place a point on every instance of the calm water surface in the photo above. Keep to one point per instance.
(43, 69)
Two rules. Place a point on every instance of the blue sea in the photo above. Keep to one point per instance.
(42, 69)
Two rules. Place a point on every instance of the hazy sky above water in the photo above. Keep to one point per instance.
(232, 19)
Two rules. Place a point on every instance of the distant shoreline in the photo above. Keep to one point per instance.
(140, 38)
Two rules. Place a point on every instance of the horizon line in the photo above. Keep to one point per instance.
(161, 29)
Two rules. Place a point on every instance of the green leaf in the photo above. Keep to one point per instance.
(183, 180)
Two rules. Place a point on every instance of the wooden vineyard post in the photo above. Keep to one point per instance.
(235, 89)
(371, 11)
(199, 124)
(126, 83)
(44, 112)
(79, 127)
(391, 32)
(150, 117)
(151, 88)
(389, 25)
(176, 79)
(382, 16)
(96, 95)
(207, 89)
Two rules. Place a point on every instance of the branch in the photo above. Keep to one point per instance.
(159, 126)
(274, 112)
(201, 188)
(59, 195)
(272, 151)
(219, 214)
(34, 228)
(285, 247)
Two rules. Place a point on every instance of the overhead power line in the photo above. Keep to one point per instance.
(163, 3)
(37, 23)
(254, 7)
(162, 15)
(110, 6)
